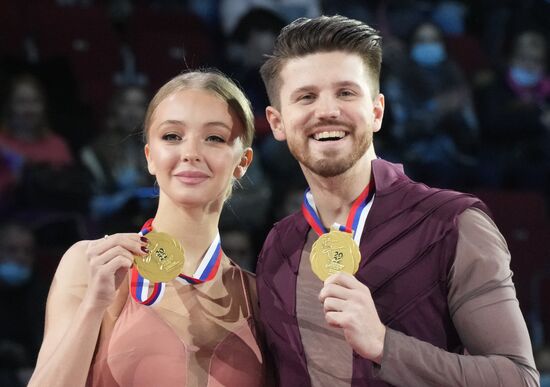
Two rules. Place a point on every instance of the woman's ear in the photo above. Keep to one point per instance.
(150, 163)
(245, 161)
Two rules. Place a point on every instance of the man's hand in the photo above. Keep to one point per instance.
(348, 304)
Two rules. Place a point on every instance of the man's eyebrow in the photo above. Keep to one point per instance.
(304, 89)
(310, 88)
(346, 84)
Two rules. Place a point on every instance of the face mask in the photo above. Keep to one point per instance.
(428, 54)
(450, 18)
(14, 274)
(523, 77)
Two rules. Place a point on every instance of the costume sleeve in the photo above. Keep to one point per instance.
(485, 311)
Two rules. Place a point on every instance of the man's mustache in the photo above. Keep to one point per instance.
(324, 123)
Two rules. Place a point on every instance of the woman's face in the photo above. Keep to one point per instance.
(194, 147)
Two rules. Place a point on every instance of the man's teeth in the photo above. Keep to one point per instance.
(335, 134)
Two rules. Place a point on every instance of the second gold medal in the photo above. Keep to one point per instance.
(334, 252)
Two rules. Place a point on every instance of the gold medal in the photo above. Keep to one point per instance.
(334, 252)
(164, 262)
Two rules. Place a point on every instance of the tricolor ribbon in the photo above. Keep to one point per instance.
(357, 216)
(208, 267)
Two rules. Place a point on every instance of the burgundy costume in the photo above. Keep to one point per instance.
(407, 247)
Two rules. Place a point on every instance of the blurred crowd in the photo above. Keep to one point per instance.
(467, 87)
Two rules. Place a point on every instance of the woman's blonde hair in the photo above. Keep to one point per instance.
(215, 82)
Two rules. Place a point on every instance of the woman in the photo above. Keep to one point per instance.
(198, 131)
(25, 128)
(42, 176)
(28, 146)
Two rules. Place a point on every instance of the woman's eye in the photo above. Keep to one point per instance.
(215, 139)
(171, 137)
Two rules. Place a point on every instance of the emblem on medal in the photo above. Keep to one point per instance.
(164, 262)
(334, 252)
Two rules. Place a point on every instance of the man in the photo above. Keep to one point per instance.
(433, 278)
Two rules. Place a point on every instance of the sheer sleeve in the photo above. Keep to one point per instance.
(486, 314)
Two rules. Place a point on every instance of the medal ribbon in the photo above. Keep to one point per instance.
(357, 216)
(210, 263)
(208, 267)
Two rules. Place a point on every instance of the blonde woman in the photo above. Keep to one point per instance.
(105, 324)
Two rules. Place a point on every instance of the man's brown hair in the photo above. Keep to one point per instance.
(322, 34)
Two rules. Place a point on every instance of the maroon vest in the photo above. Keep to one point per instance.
(407, 247)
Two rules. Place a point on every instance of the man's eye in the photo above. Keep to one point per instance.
(215, 139)
(171, 137)
(306, 98)
(346, 93)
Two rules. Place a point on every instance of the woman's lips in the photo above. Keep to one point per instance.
(191, 177)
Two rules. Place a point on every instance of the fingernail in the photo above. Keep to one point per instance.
(144, 249)
(144, 240)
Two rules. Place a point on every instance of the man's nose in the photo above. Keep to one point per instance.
(327, 108)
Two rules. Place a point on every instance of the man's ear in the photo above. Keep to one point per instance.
(276, 123)
(150, 163)
(378, 111)
(244, 163)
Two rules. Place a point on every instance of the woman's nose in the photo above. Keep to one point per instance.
(191, 151)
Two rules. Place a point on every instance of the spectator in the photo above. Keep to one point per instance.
(26, 129)
(432, 111)
(398, 17)
(516, 117)
(451, 17)
(252, 39)
(542, 358)
(24, 297)
(39, 159)
(117, 162)
(231, 11)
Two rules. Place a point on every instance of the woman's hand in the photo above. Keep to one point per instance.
(109, 259)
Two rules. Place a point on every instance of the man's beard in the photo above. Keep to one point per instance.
(330, 166)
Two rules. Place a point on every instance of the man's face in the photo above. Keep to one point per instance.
(530, 57)
(327, 113)
(27, 108)
(130, 111)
